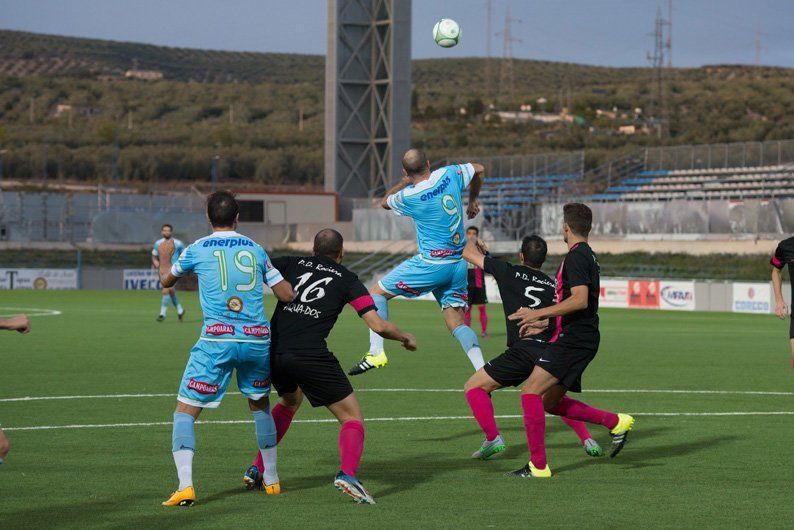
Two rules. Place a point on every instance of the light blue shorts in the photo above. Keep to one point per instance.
(210, 367)
(415, 277)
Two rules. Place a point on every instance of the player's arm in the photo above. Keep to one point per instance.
(781, 310)
(531, 319)
(165, 251)
(474, 190)
(283, 291)
(20, 323)
(473, 253)
(388, 330)
(397, 188)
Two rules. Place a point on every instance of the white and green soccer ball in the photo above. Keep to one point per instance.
(446, 33)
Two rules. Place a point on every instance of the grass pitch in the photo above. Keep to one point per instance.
(721, 458)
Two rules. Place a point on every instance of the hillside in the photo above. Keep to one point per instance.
(64, 102)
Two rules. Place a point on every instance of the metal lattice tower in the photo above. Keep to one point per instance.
(506, 74)
(367, 95)
(660, 74)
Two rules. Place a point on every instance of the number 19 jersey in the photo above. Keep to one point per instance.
(436, 206)
(232, 270)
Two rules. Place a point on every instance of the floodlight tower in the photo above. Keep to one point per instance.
(367, 95)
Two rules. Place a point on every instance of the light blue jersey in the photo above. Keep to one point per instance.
(436, 206)
(178, 248)
(232, 271)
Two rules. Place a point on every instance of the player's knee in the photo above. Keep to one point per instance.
(4, 447)
(292, 400)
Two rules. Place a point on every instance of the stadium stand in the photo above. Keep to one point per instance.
(754, 182)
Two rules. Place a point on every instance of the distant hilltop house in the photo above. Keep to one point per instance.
(144, 75)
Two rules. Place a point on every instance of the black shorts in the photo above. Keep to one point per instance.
(477, 296)
(318, 374)
(513, 367)
(566, 359)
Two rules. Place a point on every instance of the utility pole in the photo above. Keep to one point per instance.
(507, 77)
(488, 58)
(659, 106)
(759, 47)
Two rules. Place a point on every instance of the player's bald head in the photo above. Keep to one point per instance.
(414, 162)
(329, 243)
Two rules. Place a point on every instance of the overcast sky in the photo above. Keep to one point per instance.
(604, 32)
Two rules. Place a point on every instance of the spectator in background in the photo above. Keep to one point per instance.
(20, 323)
(477, 295)
(784, 255)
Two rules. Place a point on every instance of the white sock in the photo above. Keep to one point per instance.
(184, 467)
(179, 309)
(475, 356)
(375, 343)
(269, 458)
(163, 310)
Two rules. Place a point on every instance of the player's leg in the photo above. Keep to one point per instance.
(254, 381)
(3, 446)
(483, 319)
(180, 312)
(164, 297)
(467, 316)
(452, 294)
(791, 338)
(539, 382)
(204, 384)
(478, 395)
(283, 414)
(351, 447)
(376, 356)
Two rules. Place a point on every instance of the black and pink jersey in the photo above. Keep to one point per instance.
(784, 255)
(580, 267)
(323, 287)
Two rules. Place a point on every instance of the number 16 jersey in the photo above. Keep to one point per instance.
(323, 287)
(232, 271)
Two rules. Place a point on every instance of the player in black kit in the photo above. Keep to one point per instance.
(300, 361)
(784, 255)
(572, 346)
(519, 286)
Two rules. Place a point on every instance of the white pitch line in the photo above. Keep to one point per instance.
(30, 311)
(428, 390)
(386, 419)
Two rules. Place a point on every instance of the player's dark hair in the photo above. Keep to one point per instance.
(534, 249)
(578, 217)
(168, 225)
(414, 162)
(476, 230)
(328, 242)
(222, 209)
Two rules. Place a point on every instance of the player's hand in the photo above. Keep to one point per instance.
(481, 246)
(533, 328)
(473, 209)
(781, 310)
(20, 323)
(409, 342)
(525, 315)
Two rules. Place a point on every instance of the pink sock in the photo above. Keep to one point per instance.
(467, 315)
(351, 445)
(483, 320)
(576, 410)
(535, 426)
(282, 417)
(482, 408)
(578, 427)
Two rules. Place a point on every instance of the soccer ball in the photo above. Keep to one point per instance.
(446, 33)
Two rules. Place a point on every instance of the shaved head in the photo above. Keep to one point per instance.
(414, 162)
(328, 242)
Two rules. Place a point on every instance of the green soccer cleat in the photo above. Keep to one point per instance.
(592, 448)
(368, 362)
(490, 448)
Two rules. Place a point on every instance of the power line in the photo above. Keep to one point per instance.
(759, 47)
(506, 77)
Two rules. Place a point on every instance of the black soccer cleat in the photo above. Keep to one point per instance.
(620, 434)
(181, 316)
(160, 318)
(530, 471)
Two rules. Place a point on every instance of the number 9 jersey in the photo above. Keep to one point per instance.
(232, 270)
(436, 206)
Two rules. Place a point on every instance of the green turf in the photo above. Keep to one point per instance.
(676, 471)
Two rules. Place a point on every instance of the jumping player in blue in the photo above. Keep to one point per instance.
(168, 293)
(231, 271)
(434, 200)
